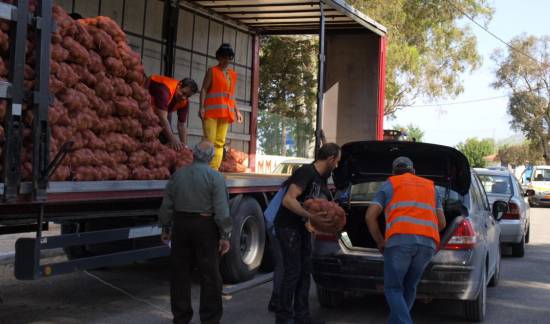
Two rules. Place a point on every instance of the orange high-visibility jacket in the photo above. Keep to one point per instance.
(220, 99)
(412, 207)
(172, 85)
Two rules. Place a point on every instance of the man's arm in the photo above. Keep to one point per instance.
(290, 201)
(182, 132)
(441, 222)
(221, 207)
(167, 129)
(166, 211)
(206, 83)
(371, 217)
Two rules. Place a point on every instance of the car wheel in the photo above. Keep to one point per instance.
(247, 243)
(496, 276)
(518, 249)
(528, 234)
(329, 298)
(474, 310)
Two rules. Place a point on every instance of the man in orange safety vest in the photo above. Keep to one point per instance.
(414, 217)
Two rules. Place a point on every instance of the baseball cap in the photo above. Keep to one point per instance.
(402, 162)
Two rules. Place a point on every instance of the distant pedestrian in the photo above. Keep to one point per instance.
(414, 217)
(195, 217)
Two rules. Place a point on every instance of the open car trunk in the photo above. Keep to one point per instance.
(366, 165)
(359, 236)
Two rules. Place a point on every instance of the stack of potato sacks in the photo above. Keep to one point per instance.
(100, 103)
(234, 161)
(334, 220)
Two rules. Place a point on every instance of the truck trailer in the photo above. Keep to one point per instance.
(108, 223)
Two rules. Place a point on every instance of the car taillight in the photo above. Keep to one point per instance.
(326, 237)
(464, 237)
(512, 213)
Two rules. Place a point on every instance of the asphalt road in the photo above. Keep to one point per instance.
(140, 294)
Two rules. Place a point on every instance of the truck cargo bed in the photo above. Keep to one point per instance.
(69, 200)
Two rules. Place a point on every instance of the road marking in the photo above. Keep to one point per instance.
(257, 281)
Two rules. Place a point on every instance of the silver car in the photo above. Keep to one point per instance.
(515, 223)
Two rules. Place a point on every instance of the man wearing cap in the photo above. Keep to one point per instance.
(195, 217)
(414, 217)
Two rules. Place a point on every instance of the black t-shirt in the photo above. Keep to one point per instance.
(314, 185)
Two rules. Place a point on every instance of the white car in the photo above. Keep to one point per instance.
(290, 165)
(515, 223)
(539, 185)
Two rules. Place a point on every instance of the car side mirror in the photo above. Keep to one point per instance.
(499, 208)
(529, 193)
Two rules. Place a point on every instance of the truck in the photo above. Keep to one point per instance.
(109, 223)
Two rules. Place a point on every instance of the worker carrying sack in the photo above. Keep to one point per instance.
(273, 208)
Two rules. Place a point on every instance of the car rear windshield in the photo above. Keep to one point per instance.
(541, 175)
(496, 184)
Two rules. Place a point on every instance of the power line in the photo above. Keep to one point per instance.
(493, 34)
(457, 102)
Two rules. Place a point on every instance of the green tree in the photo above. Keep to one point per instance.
(528, 83)
(476, 150)
(518, 154)
(287, 93)
(412, 131)
(429, 47)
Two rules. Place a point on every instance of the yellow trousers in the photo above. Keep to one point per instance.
(215, 130)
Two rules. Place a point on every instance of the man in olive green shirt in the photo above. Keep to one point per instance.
(195, 217)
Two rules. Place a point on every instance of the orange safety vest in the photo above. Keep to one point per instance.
(412, 207)
(171, 85)
(220, 99)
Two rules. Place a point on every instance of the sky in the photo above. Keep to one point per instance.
(452, 124)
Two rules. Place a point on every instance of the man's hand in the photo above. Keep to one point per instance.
(202, 111)
(224, 247)
(239, 117)
(176, 144)
(381, 245)
(165, 237)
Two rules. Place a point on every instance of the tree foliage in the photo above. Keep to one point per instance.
(519, 154)
(476, 150)
(428, 47)
(288, 88)
(412, 132)
(528, 82)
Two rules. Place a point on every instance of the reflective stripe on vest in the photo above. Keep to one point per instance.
(170, 83)
(412, 209)
(219, 102)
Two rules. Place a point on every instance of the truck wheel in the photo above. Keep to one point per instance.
(77, 251)
(247, 243)
(474, 310)
(518, 249)
(329, 298)
(268, 260)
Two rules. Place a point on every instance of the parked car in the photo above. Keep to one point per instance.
(539, 184)
(469, 255)
(515, 223)
(288, 166)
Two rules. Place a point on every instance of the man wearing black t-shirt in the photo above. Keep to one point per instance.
(309, 181)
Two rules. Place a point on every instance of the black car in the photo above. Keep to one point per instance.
(469, 256)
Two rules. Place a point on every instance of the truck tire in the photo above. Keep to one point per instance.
(247, 243)
(329, 298)
(518, 249)
(268, 260)
(474, 310)
(76, 251)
